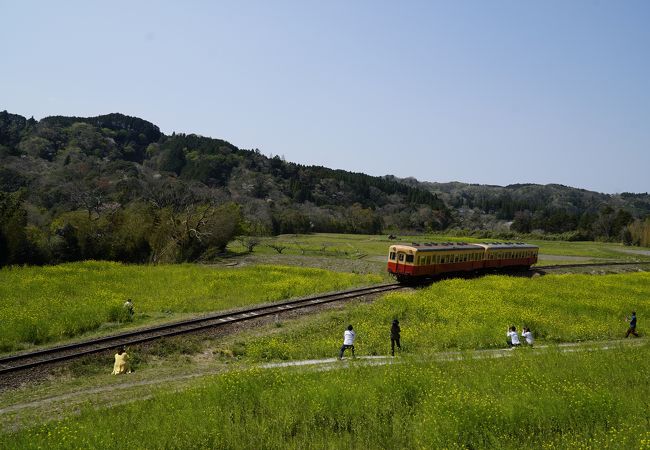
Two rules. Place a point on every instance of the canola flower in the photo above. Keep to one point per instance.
(471, 314)
(47, 304)
(553, 400)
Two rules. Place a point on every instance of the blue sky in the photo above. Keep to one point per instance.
(489, 92)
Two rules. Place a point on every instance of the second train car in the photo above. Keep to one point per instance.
(411, 262)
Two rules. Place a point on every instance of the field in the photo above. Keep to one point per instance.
(452, 385)
(471, 314)
(375, 248)
(49, 304)
(553, 400)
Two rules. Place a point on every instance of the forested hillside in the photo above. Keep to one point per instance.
(573, 214)
(114, 187)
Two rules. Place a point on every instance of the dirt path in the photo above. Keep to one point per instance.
(633, 252)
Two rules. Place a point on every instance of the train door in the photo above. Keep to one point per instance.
(399, 261)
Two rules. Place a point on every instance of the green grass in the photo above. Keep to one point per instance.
(49, 304)
(534, 399)
(362, 246)
(537, 399)
(469, 314)
(550, 400)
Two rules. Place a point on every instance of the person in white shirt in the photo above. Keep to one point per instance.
(528, 335)
(513, 337)
(348, 341)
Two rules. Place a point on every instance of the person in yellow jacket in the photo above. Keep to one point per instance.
(121, 362)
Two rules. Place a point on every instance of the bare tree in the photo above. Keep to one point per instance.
(249, 242)
(278, 247)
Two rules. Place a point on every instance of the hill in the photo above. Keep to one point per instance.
(116, 187)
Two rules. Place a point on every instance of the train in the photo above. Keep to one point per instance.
(430, 259)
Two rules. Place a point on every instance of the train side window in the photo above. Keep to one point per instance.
(428, 260)
(409, 258)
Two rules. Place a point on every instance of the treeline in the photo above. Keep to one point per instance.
(550, 210)
(114, 187)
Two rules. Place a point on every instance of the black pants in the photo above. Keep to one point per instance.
(394, 341)
(631, 330)
(343, 347)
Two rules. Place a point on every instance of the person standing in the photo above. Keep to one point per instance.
(513, 337)
(632, 329)
(348, 341)
(394, 337)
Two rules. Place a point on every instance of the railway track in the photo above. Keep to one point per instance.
(566, 266)
(27, 360)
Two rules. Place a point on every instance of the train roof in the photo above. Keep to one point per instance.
(446, 246)
(436, 246)
(506, 245)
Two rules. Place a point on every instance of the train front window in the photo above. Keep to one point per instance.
(392, 256)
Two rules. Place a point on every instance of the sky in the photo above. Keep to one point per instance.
(489, 92)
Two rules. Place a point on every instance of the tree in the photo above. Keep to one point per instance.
(18, 249)
(196, 231)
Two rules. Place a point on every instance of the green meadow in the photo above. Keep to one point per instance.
(449, 387)
(53, 303)
(374, 246)
(467, 315)
(548, 400)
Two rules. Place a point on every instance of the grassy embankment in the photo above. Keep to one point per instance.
(50, 304)
(543, 399)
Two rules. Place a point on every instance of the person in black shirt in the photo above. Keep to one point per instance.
(394, 337)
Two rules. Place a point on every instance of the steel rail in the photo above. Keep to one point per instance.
(562, 266)
(50, 355)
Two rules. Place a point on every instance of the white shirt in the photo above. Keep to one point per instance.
(514, 337)
(528, 336)
(348, 337)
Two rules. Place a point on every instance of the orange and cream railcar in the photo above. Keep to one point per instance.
(414, 261)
